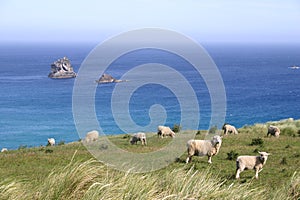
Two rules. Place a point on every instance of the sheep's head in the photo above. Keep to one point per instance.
(223, 128)
(172, 134)
(216, 143)
(264, 156)
(216, 140)
(132, 140)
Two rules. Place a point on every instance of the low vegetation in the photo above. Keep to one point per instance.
(68, 171)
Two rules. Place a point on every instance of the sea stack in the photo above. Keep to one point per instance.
(106, 78)
(62, 69)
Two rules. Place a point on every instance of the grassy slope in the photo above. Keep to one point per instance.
(34, 165)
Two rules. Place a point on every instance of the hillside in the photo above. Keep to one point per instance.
(69, 171)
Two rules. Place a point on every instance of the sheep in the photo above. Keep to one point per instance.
(163, 131)
(229, 129)
(138, 137)
(251, 162)
(91, 136)
(273, 130)
(4, 150)
(51, 141)
(207, 148)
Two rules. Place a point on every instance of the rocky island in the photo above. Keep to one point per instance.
(62, 69)
(106, 78)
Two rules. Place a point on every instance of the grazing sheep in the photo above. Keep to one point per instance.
(138, 137)
(51, 141)
(92, 136)
(273, 130)
(229, 129)
(163, 131)
(251, 162)
(4, 150)
(207, 148)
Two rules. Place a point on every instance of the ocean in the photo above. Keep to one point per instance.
(259, 87)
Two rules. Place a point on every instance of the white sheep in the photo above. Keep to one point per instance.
(4, 150)
(138, 137)
(163, 131)
(51, 141)
(92, 136)
(207, 148)
(273, 130)
(229, 129)
(251, 162)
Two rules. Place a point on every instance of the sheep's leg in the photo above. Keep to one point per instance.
(256, 173)
(188, 159)
(238, 171)
(209, 159)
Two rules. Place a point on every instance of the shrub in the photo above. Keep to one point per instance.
(283, 161)
(61, 143)
(198, 133)
(49, 151)
(176, 128)
(256, 150)
(232, 155)
(213, 129)
(126, 136)
(297, 155)
(289, 131)
(257, 141)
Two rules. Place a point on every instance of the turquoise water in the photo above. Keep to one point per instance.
(259, 87)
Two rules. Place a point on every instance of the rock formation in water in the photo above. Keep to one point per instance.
(106, 78)
(62, 69)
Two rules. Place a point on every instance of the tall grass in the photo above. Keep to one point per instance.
(91, 180)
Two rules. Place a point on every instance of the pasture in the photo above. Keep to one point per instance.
(70, 172)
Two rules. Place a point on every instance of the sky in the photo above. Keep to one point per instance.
(206, 21)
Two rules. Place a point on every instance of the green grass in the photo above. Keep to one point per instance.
(70, 172)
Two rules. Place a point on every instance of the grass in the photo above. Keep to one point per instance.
(68, 171)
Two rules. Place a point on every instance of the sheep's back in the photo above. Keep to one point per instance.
(200, 147)
(248, 161)
(140, 135)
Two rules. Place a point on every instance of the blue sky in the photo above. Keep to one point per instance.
(205, 21)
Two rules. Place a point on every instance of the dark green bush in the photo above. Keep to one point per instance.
(198, 133)
(257, 141)
(256, 150)
(213, 130)
(232, 155)
(49, 151)
(126, 136)
(176, 128)
(61, 143)
(283, 161)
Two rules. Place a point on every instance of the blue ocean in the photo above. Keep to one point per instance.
(259, 83)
